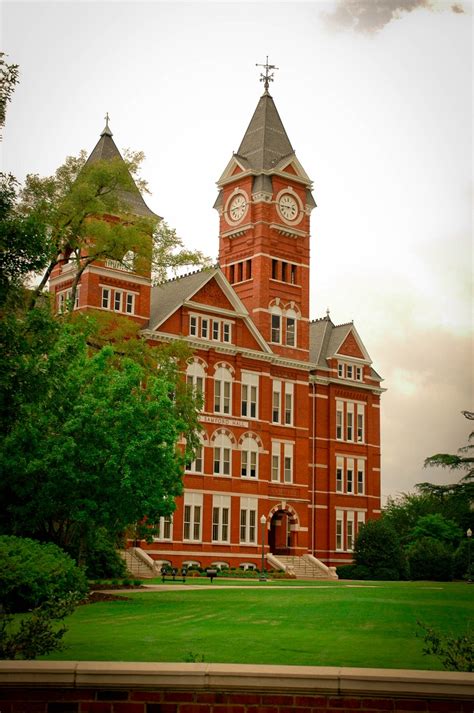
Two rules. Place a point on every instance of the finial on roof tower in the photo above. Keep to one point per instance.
(106, 131)
(327, 312)
(267, 77)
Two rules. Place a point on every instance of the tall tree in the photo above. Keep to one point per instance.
(8, 79)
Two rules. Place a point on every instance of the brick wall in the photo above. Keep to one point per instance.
(101, 687)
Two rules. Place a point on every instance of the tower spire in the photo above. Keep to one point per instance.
(106, 131)
(267, 77)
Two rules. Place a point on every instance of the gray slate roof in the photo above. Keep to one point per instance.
(166, 298)
(265, 142)
(106, 150)
(325, 338)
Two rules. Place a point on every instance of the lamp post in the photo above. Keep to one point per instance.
(469, 535)
(263, 578)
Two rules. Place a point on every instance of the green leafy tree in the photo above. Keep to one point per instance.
(88, 208)
(438, 528)
(455, 652)
(378, 550)
(430, 559)
(9, 75)
(91, 441)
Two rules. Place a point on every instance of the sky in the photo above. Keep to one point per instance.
(376, 98)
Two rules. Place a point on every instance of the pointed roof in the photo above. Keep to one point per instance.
(106, 150)
(265, 142)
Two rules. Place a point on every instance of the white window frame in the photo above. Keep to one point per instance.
(249, 394)
(349, 371)
(196, 466)
(118, 299)
(339, 474)
(276, 462)
(275, 325)
(165, 529)
(339, 420)
(276, 401)
(222, 456)
(339, 530)
(288, 461)
(350, 476)
(106, 297)
(289, 404)
(248, 521)
(360, 476)
(340, 370)
(360, 424)
(204, 328)
(216, 330)
(223, 391)
(350, 531)
(129, 302)
(196, 377)
(227, 332)
(359, 373)
(220, 518)
(249, 459)
(293, 317)
(350, 422)
(192, 526)
(193, 325)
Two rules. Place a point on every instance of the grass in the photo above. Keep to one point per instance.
(299, 623)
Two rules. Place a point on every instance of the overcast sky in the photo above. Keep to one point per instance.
(376, 98)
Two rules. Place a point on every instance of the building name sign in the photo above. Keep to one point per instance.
(225, 421)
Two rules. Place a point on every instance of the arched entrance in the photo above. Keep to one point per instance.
(282, 534)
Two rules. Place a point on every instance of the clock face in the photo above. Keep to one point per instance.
(288, 207)
(237, 207)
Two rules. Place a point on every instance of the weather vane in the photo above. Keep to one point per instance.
(267, 77)
(106, 117)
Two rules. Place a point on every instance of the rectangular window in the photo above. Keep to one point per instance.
(349, 371)
(226, 332)
(288, 404)
(220, 518)
(76, 301)
(360, 477)
(360, 519)
(293, 275)
(276, 328)
(350, 476)
(339, 475)
(240, 268)
(350, 422)
(249, 269)
(129, 303)
(195, 466)
(360, 423)
(339, 530)
(350, 531)
(192, 517)
(340, 371)
(249, 394)
(276, 398)
(274, 269)
(231, 274)
(217, 396)
(284, 271)
(291, 331)
(165, 528)
(288, 463)
(193, 325)
(205, 328)
(117, 301)
(248, 520)
(359, 373)
(276, 450)
(105, 298)
(339, 420)
(216, 330)
(226, 400)
(221, 460)
(249, 464)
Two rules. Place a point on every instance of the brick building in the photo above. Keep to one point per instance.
(290, 447)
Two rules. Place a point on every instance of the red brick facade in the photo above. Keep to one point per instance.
(291, 414)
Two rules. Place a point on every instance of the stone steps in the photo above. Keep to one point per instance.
(135, 566)
(302, 567)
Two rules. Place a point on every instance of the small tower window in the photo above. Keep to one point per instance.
(274, 269)
(249, 269)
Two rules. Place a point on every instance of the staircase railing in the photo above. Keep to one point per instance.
(329, 571)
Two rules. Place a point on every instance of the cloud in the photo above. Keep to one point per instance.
(370, 16)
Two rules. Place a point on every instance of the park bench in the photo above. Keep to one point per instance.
(171, 573)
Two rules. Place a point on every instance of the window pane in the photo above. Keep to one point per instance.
(276, 326)
(290, 331)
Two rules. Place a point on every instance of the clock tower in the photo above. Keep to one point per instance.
(264, 204)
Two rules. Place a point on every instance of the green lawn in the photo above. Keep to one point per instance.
(325, 624)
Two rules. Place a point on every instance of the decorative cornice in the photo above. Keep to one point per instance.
(287, 230)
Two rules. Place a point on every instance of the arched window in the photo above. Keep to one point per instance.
(223, 390)
(291, 318)
(195, 376)
(222, 455)
(275, 316)
(249, 458)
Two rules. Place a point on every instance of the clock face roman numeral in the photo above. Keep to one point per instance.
(288, 207)
(237, 207)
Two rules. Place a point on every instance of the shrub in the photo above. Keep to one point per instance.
(461, 561)
(32, 574)
(378, 548)
(352, 571)
(455, 653)
(430, 559)
(102, 558)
